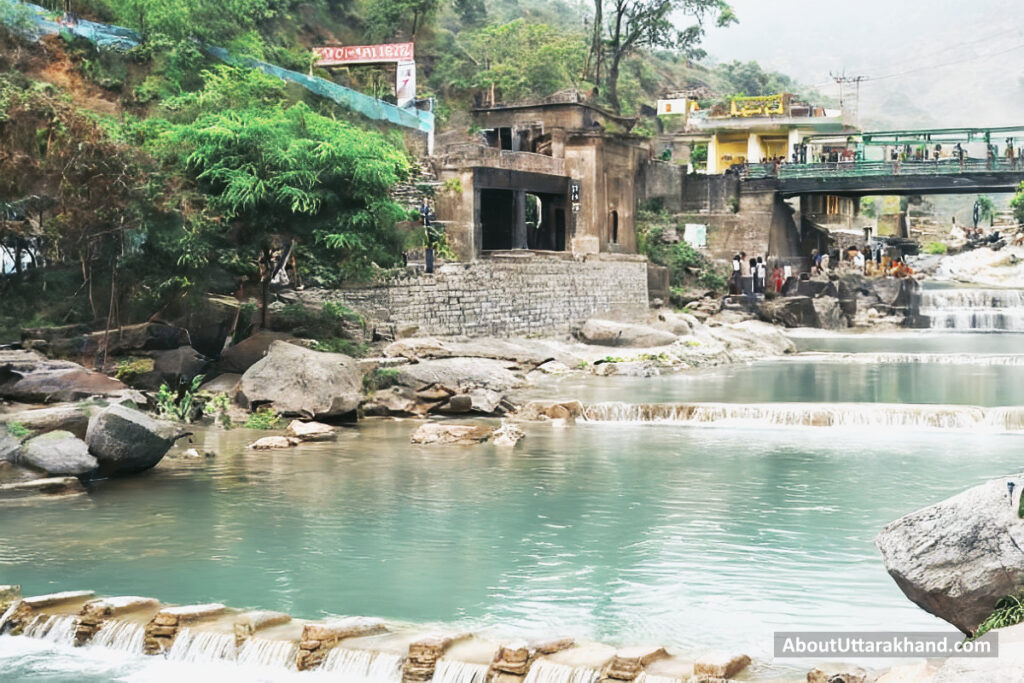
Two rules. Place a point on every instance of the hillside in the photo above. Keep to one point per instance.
(122, 198)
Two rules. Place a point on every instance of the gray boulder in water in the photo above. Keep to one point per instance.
(611, 333)
(957, 558)
(301, 382)
(58, 452)
(790, 311)
(126, 441)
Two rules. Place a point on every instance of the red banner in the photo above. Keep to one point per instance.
(364, 54)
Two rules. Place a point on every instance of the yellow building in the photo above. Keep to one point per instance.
(757, 129)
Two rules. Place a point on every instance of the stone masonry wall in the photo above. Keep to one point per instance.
(518, 294)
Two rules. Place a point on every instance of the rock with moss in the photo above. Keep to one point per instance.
(126, 441)
(956, 559)
(300, 382)
(58, 453)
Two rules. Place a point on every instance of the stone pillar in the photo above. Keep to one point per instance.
(628, 663)
(421, 662)
(95, 612)
(163, 628)
(22, 611)
(519, 231)
(318, 639)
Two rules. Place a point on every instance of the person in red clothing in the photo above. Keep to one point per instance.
(777, 279)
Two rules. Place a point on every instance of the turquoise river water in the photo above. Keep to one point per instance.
(691, 536)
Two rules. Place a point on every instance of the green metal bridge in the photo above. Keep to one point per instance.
(912, 172)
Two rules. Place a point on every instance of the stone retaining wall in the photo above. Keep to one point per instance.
(522, 294)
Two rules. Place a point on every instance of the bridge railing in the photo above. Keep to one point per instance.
(862, 169)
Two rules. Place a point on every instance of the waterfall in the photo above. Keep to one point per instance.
(364, 666)
(451, 671)
(58, 629)
(8, 613)
(918, 416)
(982, 310)
(544, 671)
(202, 646)
(124, 636)
(279, 654)
(644, 677)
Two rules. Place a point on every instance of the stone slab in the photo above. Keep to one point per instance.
(194, 612)
(121, 604)
(51, 599)
(720, 664)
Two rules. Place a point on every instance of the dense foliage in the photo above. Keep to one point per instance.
(658, 238)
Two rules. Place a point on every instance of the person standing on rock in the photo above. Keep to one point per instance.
(777, 279)
(759, 276)
(734, 281)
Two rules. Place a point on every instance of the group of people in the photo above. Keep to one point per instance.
(750, 276)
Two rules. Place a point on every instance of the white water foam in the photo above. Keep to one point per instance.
(8, 613)
(363, 666)
(644, 677)
(202, 646)
(268, 653)
(58, 629)
(119, 635)
(979, 310)
(451, 671)
(544, 671)
(905, 416)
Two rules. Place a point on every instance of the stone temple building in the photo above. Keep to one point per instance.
(558, 176)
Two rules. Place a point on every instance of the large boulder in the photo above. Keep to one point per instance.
(59, 452)
(427, 348)
(71, 417)
(208, 321)
(246, 353)
(443, 433)
(957, 558)
(301, 382)
(126, 441)
(610, 333)
(128, 339)
(9, 446)
(179, 365)
(29, 377)
(830, 313)
(790, 311)
(459, 373)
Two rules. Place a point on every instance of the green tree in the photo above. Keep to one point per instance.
(1017, 204)
(387, 18)
(748, 78)
(986, 209)
(272, 175)
(624, 26)
(524, 59)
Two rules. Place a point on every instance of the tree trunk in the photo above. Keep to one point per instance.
(266, 272)
(612, 91)
(595, 44)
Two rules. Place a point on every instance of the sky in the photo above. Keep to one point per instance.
(932, 63)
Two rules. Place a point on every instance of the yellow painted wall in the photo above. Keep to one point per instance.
(774, 146)
(731, 150)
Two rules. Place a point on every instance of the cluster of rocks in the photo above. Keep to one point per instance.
(51, 449)
(844, 299)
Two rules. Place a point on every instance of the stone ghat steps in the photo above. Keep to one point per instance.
(212, 631)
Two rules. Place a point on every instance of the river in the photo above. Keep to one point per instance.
(624, 529)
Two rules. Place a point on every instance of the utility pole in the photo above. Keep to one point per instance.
(849, 101)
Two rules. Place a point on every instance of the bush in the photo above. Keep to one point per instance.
(18, 430)
(1008, 612)
(380, 378)
(264, 418)
(686, 265)
(935, 248)
(130, 369)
